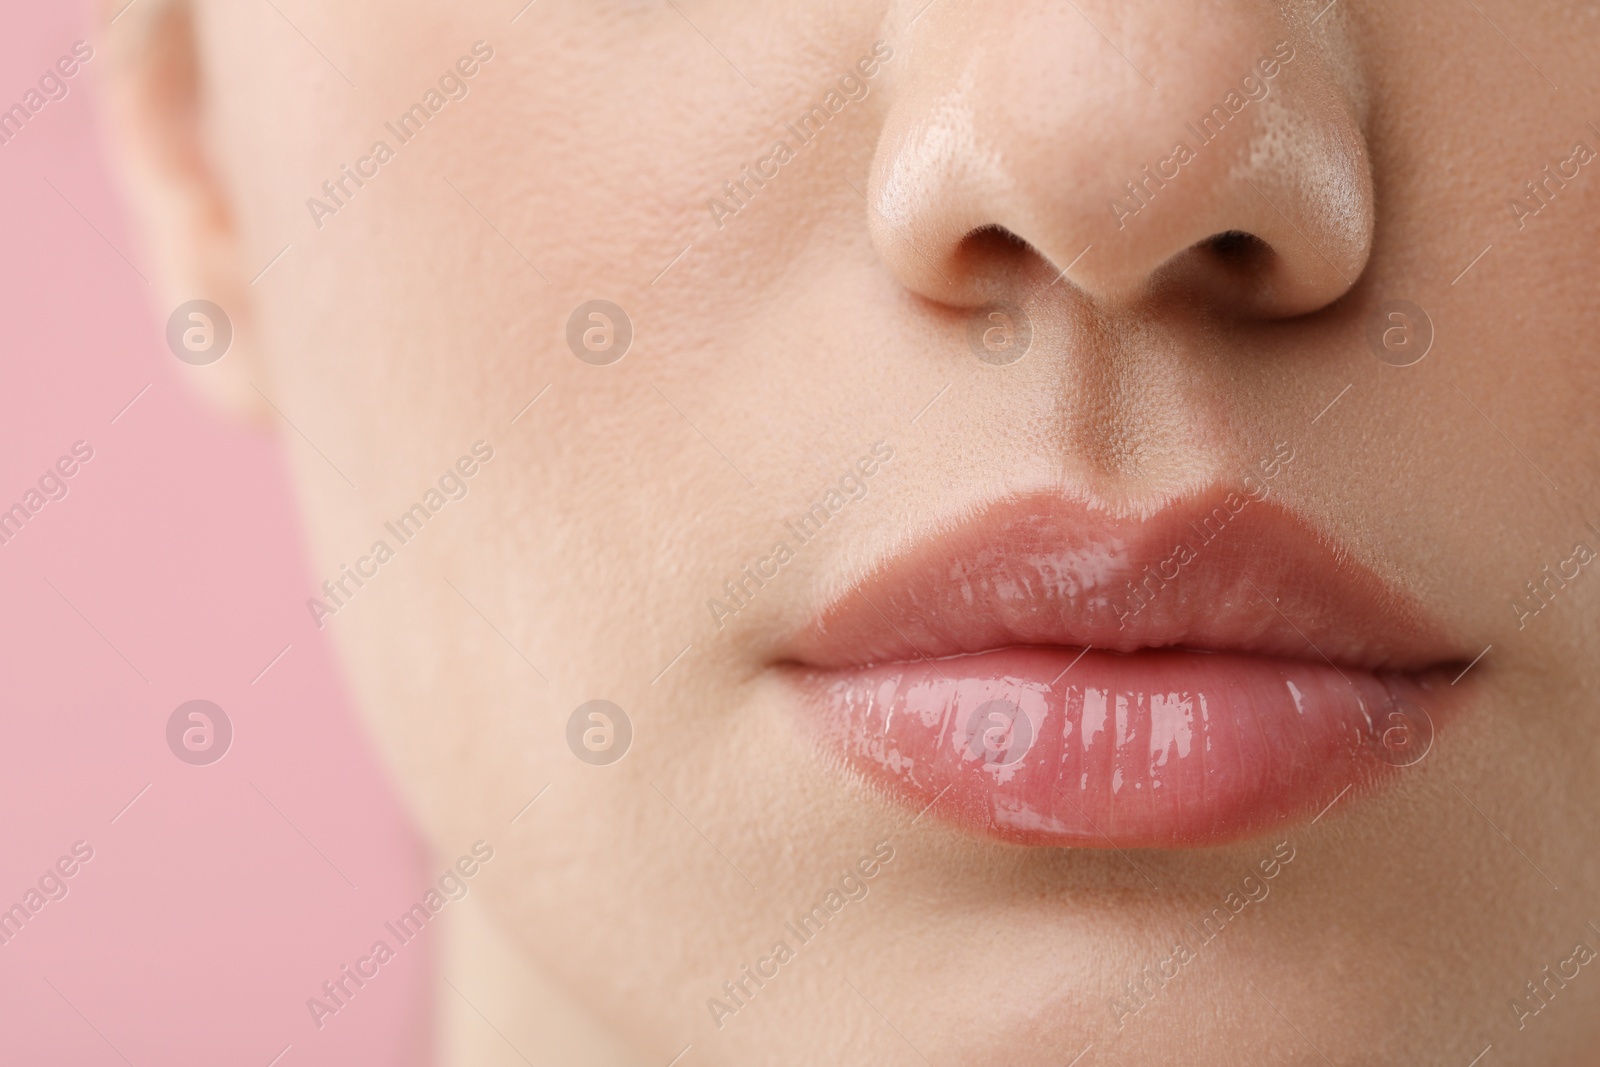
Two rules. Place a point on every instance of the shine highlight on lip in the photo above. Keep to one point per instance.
(1047, 673)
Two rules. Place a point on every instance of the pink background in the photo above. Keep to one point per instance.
(206, 917)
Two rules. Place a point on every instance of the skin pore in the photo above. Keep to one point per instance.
(781, 327)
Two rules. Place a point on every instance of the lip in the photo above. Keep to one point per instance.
(1050, 673)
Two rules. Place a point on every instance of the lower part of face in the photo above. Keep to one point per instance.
(796, 220)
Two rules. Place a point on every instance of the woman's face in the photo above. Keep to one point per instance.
(939, 341)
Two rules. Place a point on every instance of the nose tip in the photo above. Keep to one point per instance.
(1226, 164)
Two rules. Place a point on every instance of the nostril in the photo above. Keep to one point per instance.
(994, 239)
(1241, 262)
(1232, 269)
(994, 254)
(1237, 248)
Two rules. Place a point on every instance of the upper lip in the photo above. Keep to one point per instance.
(1218, 571)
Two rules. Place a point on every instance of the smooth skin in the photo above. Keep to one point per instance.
(774, 343)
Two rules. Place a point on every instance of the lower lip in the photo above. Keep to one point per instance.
(1153, 749)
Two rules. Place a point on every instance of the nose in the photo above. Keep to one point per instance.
(1139, 150)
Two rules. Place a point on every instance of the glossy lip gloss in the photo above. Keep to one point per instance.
(1050, 674)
